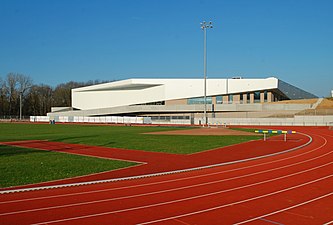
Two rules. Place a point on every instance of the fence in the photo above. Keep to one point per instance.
(84, 119)
(13, 117)
(181, 120)
(296, 121)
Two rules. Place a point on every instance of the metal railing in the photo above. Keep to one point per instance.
(13, 117)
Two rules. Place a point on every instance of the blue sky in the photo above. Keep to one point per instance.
(55, 41)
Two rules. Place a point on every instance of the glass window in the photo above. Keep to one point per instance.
(257, 96)
(219, 100)
(154, 103)
(265, 96)
(231, 98)
(201, 100)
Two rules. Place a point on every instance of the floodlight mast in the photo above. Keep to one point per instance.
(204, 27)
(21, 93)
(21, 105)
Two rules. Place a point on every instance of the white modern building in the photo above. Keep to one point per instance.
(182, 98)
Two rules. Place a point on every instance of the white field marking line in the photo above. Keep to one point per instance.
(92, 174)
(270, 221)
(285, 209)
(156, 174)
(171, 190)
(235, 203)
(196, 185)
(169, 181)
(186, 199)
(111, 189)
(330, 222)
(189, 214)
(117, 159)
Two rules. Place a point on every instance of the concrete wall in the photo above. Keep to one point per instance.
(176, 102)
(185, 108)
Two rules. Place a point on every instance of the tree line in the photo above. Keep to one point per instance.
(36, 99)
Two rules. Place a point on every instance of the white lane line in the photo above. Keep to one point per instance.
(157, 174)
(270, 221)
(187, 199)
(285, 209)
(175, 180)
(180, 188)
(330, 222)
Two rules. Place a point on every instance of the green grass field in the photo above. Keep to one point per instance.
(20, 166)
(23, 166)
(118, 136)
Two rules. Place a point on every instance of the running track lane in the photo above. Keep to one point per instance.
(293, 188)
(156, 162)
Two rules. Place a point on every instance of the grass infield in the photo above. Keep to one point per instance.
(20, 166)
(119, 137)
(23, 166)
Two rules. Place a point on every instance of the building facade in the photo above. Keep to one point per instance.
(179, 97)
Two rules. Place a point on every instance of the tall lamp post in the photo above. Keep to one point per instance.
(21, 93)
(204, 27)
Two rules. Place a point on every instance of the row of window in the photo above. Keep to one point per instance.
(200, 100)
(168, 118)
(230, 99)
(219, 99)
(154, 103)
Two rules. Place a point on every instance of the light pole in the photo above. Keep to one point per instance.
(204, 26)
(21, 93)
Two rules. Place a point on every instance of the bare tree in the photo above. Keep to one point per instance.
(12, 93)
(63, 92)
(39, 100)
(3, 98)
(24, 83)
(17, 85)
(36, 99)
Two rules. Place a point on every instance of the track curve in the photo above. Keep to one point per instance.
(291, 188)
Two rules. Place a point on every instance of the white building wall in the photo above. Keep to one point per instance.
(105, 99)
(247, 85)
(138, 91)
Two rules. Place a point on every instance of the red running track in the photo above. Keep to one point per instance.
(291, 188)
(157, 162)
